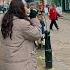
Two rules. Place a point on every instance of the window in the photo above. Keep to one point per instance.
(67, 4)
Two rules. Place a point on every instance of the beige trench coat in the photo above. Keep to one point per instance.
(19, 53)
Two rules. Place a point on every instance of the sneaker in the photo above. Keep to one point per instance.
(57, 28)
(51, 29)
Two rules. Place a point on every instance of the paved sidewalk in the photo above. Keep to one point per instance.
(61, 46)
(60, 41)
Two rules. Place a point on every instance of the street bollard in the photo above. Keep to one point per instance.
(48, 51)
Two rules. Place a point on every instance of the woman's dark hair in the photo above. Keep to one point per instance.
(17, 9)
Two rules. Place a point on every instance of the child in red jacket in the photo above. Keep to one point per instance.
(53, 15)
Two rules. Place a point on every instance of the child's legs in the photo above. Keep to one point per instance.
(55, 24)
(51, 24)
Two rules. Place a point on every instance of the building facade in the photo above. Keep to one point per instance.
(65, 4)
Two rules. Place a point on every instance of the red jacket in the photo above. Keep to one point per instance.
(53, 15)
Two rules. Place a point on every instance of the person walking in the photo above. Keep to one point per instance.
(18, 36)
(53, 15)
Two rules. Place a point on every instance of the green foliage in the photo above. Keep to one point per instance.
(57, 2)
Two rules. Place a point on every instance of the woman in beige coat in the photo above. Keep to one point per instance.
(18, 36)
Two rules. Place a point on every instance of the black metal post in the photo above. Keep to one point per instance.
(48, 50)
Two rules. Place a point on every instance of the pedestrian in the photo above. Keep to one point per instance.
(42, 26)
(46, 8)
(18, 36)
(35, 21)
(41, 8)
(53, 15)
(33, 15)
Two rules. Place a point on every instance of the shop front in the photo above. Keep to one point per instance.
(67, 5)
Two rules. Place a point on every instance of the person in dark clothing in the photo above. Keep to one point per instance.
(42, 26)
(33, 13)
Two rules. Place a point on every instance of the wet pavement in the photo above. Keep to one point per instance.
(60, 42)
